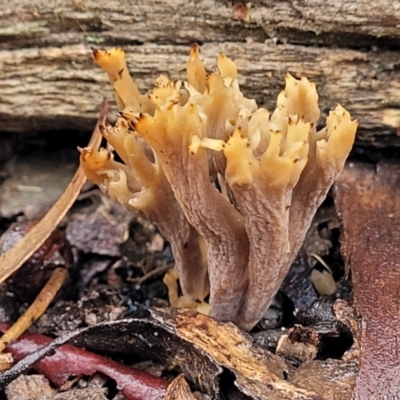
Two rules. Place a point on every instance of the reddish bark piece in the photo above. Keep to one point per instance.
(69, 361)
(368, 199)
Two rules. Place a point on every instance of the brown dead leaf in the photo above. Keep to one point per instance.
(23, 250)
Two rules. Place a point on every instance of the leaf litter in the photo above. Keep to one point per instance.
(191, 352)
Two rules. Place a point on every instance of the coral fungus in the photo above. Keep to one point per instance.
(230, 185)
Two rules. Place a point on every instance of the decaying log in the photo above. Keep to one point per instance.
(49, 82)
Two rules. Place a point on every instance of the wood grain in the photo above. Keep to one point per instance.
(49, 82)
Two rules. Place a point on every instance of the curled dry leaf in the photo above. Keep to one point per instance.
(14, 258)
(37, 236)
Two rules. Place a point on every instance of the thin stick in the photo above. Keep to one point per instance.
(37, 308)
(155, 272)
(12, 260)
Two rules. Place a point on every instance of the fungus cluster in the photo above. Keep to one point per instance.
(232, 186)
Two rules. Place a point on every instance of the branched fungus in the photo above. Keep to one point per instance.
(216, 172)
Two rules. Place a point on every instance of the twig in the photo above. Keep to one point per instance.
(36, 309)
(151, 274)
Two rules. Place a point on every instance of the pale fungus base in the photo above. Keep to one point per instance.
(231, 186)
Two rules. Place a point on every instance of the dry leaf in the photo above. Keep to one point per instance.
(13, 259)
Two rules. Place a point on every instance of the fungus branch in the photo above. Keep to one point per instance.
(139, 182)
(205, 164)
(170, 132)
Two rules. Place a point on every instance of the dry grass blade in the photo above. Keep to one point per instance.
(36, 309)
(12, 260)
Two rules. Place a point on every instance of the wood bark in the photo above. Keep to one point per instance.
(368, 201)
(48, 80)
